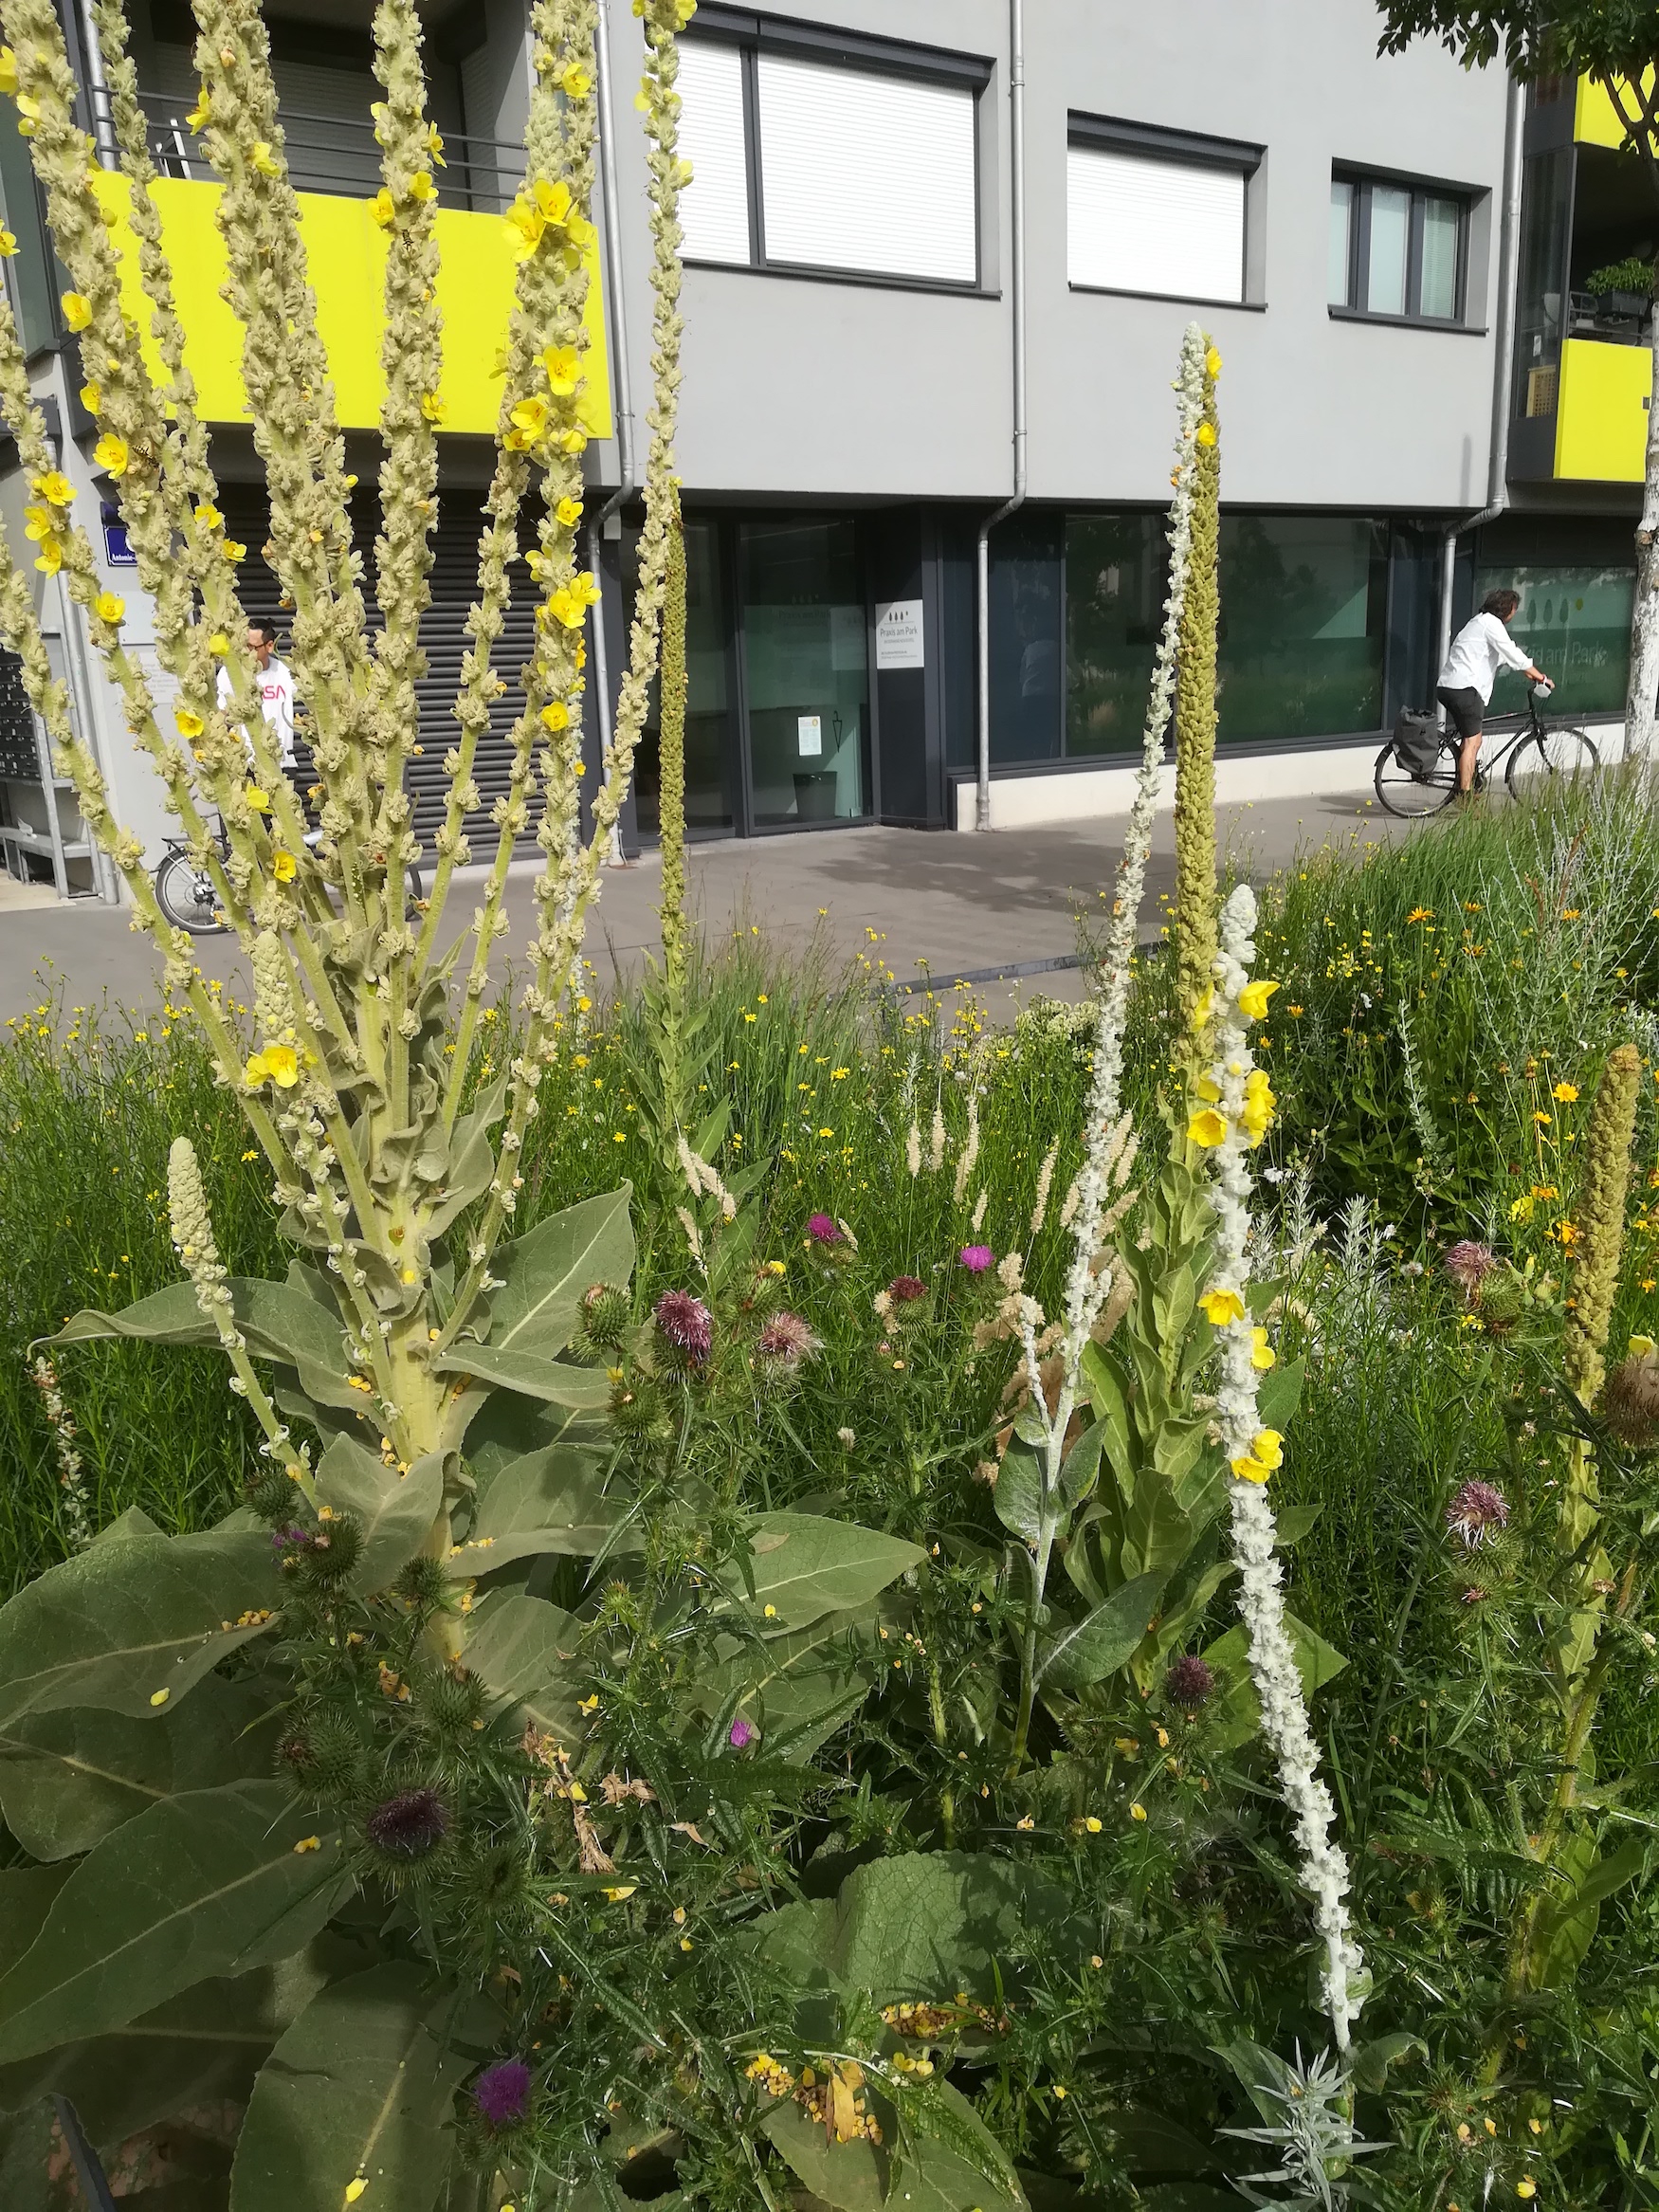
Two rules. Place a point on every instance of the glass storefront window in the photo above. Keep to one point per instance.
(1117, 569)
(805, 667)
(1545, 206)
(1027, 642)
(1575, 624)
(1304, 618)
(709, 748)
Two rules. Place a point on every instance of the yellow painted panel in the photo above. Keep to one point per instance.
(1601, 425)
(345, 250)
(1596, 120)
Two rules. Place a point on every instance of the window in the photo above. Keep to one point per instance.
(1156, 211)
(813, 149)
(1397, 250)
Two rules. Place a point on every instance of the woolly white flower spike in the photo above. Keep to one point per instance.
(1238, 1096)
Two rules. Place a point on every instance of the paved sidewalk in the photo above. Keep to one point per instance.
(975, 906)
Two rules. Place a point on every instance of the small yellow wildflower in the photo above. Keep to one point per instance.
(621, 1892)
(259, 801)
(556, 715)
(1566, 1092)
(1137, 1812)
(432, 407)
(309, 1843)
(198, 114)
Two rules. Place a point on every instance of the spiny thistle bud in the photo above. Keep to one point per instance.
(324, 1755)
(784, 1344)
(408, 1826)
(1601, 1221)
(1475, 1512)
(1630, 1399)
(637, 1413)
(450, 1704)
(422, 1583)
(269, 1493)
(1468, 1264)
(605, 1314)
(334, 1550)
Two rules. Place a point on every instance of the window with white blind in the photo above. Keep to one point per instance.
(807, 153)
(1155, 212)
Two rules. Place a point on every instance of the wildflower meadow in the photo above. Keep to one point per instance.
(744, 1591)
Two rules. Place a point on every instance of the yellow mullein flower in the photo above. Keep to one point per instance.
(55, 489)
(1212, 364)
(198, 114)
(8, 72)
(109, 607)
(1263, 1355)
(567, 607)
(1206, 433)
(575, 84)
(219, 644)
(582, 234)
(264, 160)
(555, 716)
(208, 515)
(51, 556)
(190, 726)
(382, 209)
(435, 145)
(568, 512)
(30, 112)
(1252, 1000)
(1202, 1006)
(526, 225)
(282, 1066)
(36, 523)
(77, 310)
(553, 201)
(1208, 1089)
(284, 866)
(573, 441)
(530, 415)
(1248, 1468)
(422, 186)
(259, 801)
(91, 397)
(111, 452)
(253, 1073)
(563, 365)
(1267, 1446)
(1207, 1128)
(7, 242)
(1220, 1306)
(432, 407)
(586, 589)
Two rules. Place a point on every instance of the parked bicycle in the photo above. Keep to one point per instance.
(1538, 746)
(185, 896)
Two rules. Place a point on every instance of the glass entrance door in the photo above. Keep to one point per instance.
(806, 681)
(711, 754)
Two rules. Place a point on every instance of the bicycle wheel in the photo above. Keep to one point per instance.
(1559, 756)
(1411, 797)
(185, 896)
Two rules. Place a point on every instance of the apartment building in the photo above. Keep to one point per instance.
(940, 257)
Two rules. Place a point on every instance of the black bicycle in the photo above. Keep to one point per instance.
(188, 901)
(1558, 751)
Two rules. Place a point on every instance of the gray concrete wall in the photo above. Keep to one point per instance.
(848, 391)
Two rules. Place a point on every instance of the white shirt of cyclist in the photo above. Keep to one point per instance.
(1479, 649)
(275, 699)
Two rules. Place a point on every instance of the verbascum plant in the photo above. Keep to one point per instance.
(1195, 718)
(355, 1699)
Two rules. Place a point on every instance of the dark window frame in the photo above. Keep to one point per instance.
(754, 35)
(1363, 181)
(1241, 157)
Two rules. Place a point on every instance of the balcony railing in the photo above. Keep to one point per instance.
(337, 155)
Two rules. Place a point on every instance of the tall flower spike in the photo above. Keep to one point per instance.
(1195, 719)
(1601, 1221)
(1245, 1104)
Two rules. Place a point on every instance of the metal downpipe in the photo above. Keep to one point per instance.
(1016, 133)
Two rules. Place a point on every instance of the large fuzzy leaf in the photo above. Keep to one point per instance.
(358, 2088)
(947, 2160)
(1088, 1650)
(205, 2044)
(796, 1688)
(1236, 1715)
(396, 1510)
(549, 1501)
(278, 1320)
(919, 1925)
(26, 1895)
(132, 1625)
(522, 1648)
(531, 1374)
(544, 1274)
(203, 1885)
(804, 1565)
(851, 2175)
(68, 1778)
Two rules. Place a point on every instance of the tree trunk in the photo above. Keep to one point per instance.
(1644, 686)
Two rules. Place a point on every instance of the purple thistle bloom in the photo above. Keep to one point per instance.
(1468, 1264)
(407, 1825)
(293, 1537)
(1189, 1682)
(976, 1258)
(687, 1324)
(501, 2092)
(822, 1229)
(905, 1289)
(743, 1734)
(786, 1340)
(1475, 1510)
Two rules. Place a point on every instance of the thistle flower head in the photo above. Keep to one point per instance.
(1630, 1399)
(409, 1825)
(501, 2092)
(1190, 1682)
(741, 1734)
(907, 1290)
(1475, 1511)
(1468, 1264)
(977, 1258)
(824, 1229)
(686, 1323)
(786, 1340)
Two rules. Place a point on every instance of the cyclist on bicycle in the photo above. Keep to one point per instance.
(276, 688)
(1481, 647)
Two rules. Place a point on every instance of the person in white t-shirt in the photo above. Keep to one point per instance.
(276, 688)
(1479, 649)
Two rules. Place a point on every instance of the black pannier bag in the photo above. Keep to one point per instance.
(1416, 741)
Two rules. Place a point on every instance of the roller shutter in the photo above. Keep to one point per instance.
(454, 587)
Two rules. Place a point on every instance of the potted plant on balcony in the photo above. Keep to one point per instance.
(1622, 289)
